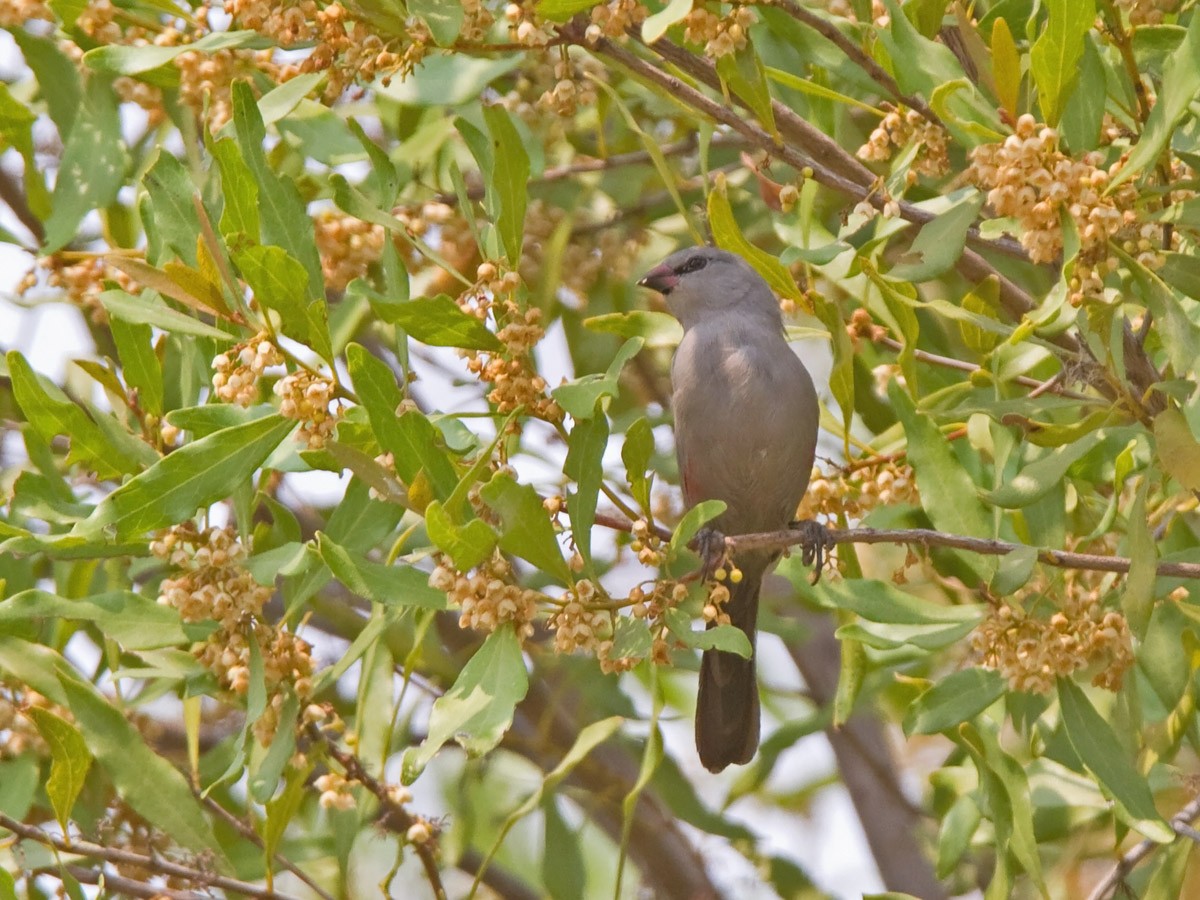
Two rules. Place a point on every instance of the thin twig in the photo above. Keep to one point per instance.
(251, 835)
(1109, 883)
(394, 816)
(927, 537)
(153, 863)
(1040, 387)
(121, 886)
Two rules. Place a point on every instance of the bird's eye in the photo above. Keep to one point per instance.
(695, 264)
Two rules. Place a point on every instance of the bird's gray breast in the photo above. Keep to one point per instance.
(746, 420)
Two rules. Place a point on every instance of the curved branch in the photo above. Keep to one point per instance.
(152, 863)
(927, 537)
(1180, 823)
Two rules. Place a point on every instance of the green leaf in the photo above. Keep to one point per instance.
(1054, 57)
(395, 585)
(1104, 754)
(955, 699)
(443, 17)
(948, 495)
(144, 780)
(1180, 85)
(561, 10)
(562, 857)
(728, 236)
(51, 414)
(139, 363)
(170, 192)
(69, 761)
(467, 545)
(1006, 67)
(635, 454)
(92, 168)
(881, 601)
(656, 24)
(51, 66)
(149, 308)
(528, 532)
(579, 397)
(448, 80)
(742, 73)
(478, 708)
(239, 191)
(192, 477)
(125, 59)
(413, 441)
(509, 182)
(16, 131)
(440, 322)
(584, 463)
(1137, 599)
(133, 621)
(1006, 786)
(284, 217)
(886, 636)
(656, 329)
(1176, 447)
(281, 284)
(1083, 116)
(1042, 475)
(939, 243)
(693, 520)
(727, 638)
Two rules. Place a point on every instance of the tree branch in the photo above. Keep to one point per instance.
(1180, 822)
(152, 863)
(927, 537)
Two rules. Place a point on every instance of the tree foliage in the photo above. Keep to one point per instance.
(394, 246)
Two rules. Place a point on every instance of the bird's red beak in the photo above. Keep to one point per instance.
(661, 278)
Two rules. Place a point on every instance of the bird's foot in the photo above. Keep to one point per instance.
(815, 541)
(710, 545)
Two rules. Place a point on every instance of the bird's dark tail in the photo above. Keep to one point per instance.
(727, 715)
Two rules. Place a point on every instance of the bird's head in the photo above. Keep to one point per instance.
(704, 283)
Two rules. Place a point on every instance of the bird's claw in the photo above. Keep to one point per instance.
(815, 541)
(710, 545)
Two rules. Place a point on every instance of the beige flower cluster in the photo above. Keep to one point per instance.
(1147, 12)
(720, 35)
(488, 598)
(577, 623)
(571, 90)
(899, 129)
(18, 733)
(81, 281)
(1029, 178)
(214, 585)
(646, 543)
(344, 45)
(348, 247)
(335, 791)
(856, 491)
(238, 371)
(308, 397)
(15, 13)
(525, 26)
(1031, 649)
(511, 373)
(614, 18)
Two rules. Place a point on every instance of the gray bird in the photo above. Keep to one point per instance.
(746, 421)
